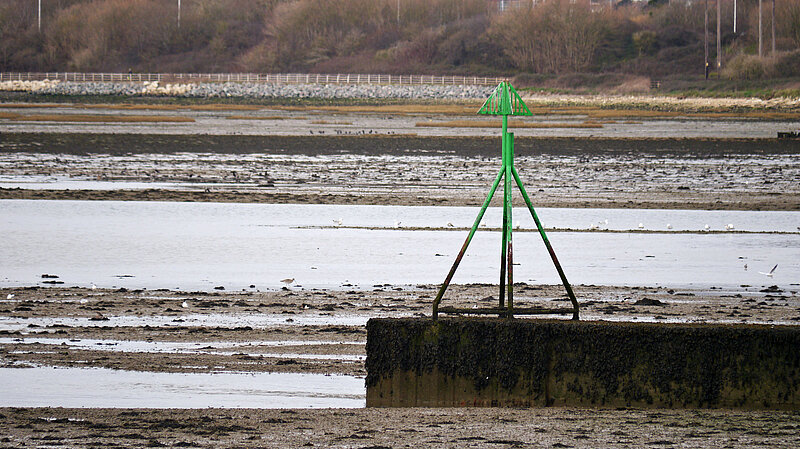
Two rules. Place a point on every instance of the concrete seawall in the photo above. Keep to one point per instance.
(522, 362)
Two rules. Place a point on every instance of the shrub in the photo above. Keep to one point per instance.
(746, 67)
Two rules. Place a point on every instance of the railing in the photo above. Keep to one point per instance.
(276, 78)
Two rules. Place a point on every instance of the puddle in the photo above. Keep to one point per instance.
(104, 388)
(260, 348)
(257, 321)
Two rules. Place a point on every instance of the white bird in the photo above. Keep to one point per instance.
(771, 272)
(729, 227)
(593, 226)
(288, 281)
(338, 222)
(605, 222)
(669, 226)
(94, 287)
(10, 296)
(84, 301)
(641, 225)
(706, 227)
(184, 304)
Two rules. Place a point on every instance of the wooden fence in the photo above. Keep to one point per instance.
(277, 78)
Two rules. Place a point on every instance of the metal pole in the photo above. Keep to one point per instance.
(509, 228)
(179, 13)
(773, 27)
(705, 36)
(734, 16)
(719, 37)
(504, 238)
(760, 52)
(40, 16)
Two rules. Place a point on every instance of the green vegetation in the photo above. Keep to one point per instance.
(554, 45)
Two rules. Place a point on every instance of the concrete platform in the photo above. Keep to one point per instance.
(530, 362)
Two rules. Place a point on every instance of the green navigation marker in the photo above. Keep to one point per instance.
(505, 101)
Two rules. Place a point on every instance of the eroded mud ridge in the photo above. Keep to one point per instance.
(304, 331)
(395, 428)
(740, 174)
(322, 331)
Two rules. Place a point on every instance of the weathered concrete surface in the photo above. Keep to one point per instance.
(522, 362)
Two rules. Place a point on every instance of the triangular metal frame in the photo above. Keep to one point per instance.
(505, 101)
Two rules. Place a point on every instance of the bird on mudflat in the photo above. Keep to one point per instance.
(185, 304)
(771, 272)
(10, 296)
(288, 281)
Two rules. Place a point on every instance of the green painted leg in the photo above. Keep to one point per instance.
(509, 229)
(503, 244)
(547, 244)
(464, 247)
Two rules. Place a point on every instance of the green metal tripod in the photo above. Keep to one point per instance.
(505, 101)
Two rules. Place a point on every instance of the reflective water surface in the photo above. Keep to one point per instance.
(206, 245)
(67, 387)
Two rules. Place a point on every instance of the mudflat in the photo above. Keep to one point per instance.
(80, 327)
(396, 428)
(709, 174)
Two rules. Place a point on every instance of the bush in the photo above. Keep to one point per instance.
(747, 67)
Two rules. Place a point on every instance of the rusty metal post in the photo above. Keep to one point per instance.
(509, 229)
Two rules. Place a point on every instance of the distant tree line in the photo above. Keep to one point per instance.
(656, 38)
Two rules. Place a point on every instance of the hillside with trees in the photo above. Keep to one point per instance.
(543, 39)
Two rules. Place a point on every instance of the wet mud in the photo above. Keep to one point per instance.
(315, 332)
(305, 331)
(396, 428)
(708, 174)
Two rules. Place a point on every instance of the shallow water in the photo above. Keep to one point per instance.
(67, 387)
(203, 245)
(258, 321)
(250, 348)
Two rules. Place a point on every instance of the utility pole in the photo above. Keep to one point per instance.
(40, 16)
(719, 38)
(734, 16)
(760, 46)
(773, 27)
(179, 13)
(398, 13)
(705, 35)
